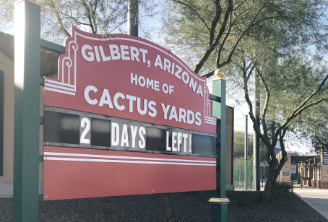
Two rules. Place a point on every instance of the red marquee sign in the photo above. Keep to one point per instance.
(130, 78)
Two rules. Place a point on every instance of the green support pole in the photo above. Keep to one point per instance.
(27, 111)
(219, 202)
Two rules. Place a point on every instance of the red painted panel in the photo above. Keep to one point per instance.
(82, 173)
(76, 74)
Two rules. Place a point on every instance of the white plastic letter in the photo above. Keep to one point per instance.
(134, 130)
(165, 110)
(190, 117)
(150, 83)
(144, 111)
(167, 65)
(178, 72)
(158, 62)
(156, 85)
(97, 53)
(103, 56)
(185, 137)
(171, 89)
(173, 114)
(116, 96)
(124, 53)
(174, 141)
(182, 115)
(134, 79)
(134, 53)
(151, 106)
(131, 99)
(192, 84)
(185, 77)
(168, 148)
(198, 120)
(142, 135)
(143, 52)
(179, 140)
(200, 90)
(165, 88)
(105, 99)
(141, 81)
(125, 136)
(114, 52)
(90, 57)
(87, 97)
(115, 134)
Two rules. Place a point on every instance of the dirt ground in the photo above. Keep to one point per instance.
(185, 207)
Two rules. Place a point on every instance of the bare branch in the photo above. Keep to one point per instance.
(216, 18)
(265, 106)
(74, 19)
(210, 49)
(59, 20)
(242, 35)
(207, 75)
(284, 154)
(309, 97)
(89, 16)
(198, 15)
(239, 5)
(251, 114)
(291, 117)
(224, 41)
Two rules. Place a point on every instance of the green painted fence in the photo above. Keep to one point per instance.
(242, 174)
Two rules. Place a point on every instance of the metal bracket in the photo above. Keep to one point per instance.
(41, 120)
(41, 81)
(214, 200)
(215, 98)
(40, 158)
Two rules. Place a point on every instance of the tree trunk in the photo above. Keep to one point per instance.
(267, 188)
(269, 182)
(281, 164)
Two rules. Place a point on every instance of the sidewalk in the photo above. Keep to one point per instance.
(316, 198)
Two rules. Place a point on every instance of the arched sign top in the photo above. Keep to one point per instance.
(129, 77)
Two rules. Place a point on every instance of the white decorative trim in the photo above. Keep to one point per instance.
(211, 123)
(58, 90)
(124, 161)
(67, 63)
(124, 157)
(59, 87)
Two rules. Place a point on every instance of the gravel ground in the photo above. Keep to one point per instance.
(185, 207)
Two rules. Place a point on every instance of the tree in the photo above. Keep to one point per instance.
(211, 31)
(266, 41)
(96, 16)
(291, 89)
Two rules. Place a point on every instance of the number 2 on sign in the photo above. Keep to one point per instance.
(85, 128)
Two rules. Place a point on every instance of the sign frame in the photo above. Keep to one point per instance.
(26, 163)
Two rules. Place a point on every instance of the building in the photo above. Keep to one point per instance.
(311, 170)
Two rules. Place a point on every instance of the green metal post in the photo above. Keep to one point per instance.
(219, 202)
(27, 111)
